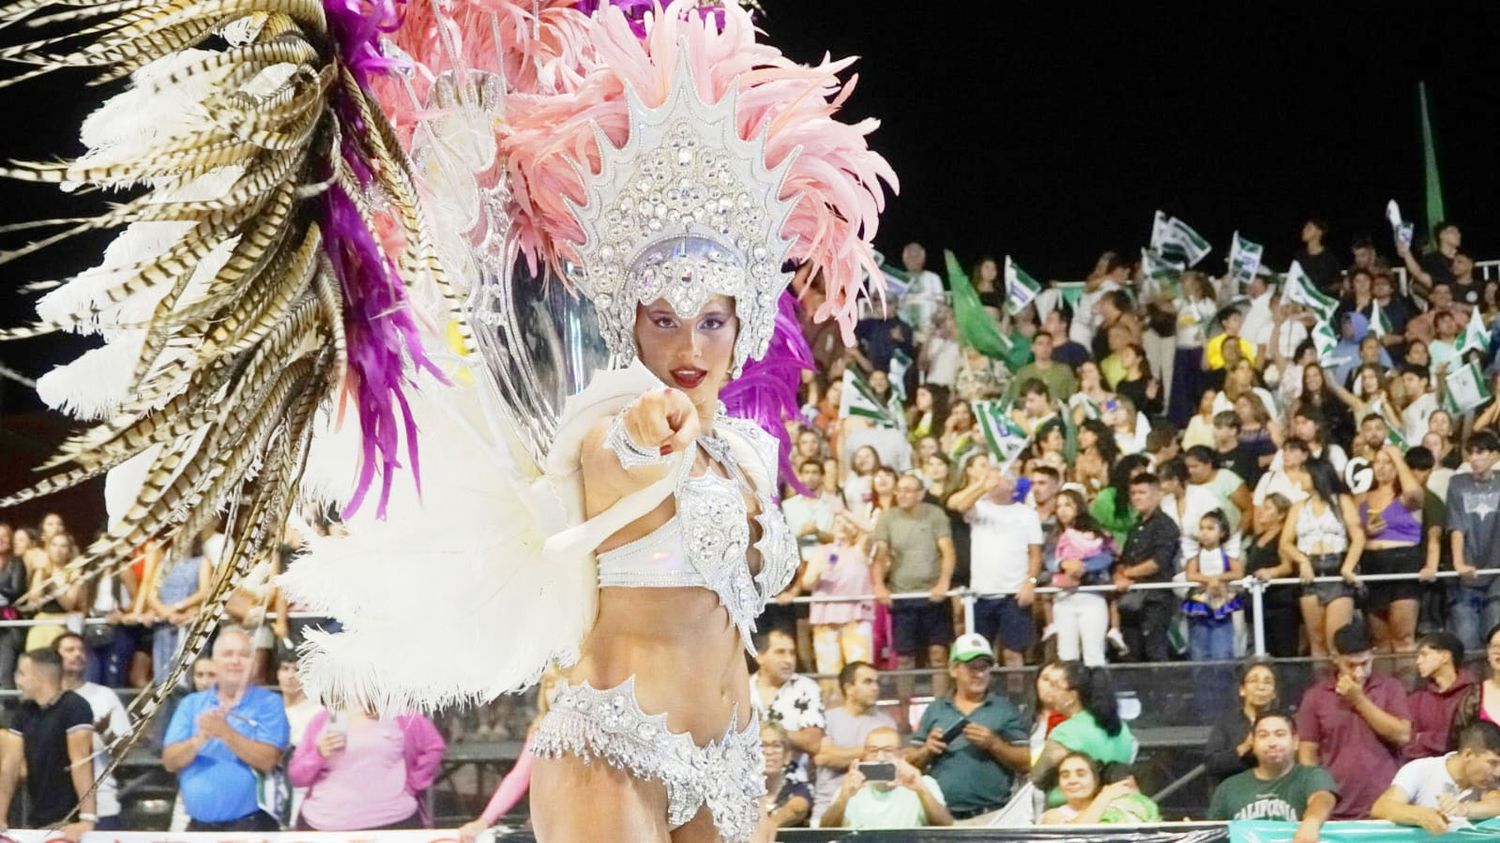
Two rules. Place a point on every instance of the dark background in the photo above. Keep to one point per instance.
(1052, 131)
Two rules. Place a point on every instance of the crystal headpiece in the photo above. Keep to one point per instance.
(684, 210)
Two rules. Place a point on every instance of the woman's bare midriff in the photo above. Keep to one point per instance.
(687, 658)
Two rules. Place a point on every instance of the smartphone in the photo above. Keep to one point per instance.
(954, 731)
(878, 771)
(337, 722)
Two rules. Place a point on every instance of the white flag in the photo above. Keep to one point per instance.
(1401, 230)
(1466, 389)
(1474, 336)
(1300, 289)
(1174, 239)
(1325, 340)
(1020, 288)
(1244, 260)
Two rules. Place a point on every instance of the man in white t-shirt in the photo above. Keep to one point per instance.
(1005, 552)
(810, 517)
(1420, 402)
(924, 291)
(110, 722)
(1434, 793)
(1086, 319)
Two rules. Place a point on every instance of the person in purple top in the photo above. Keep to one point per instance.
(1354, 723)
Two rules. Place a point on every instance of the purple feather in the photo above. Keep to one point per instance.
(766, 392)
(637, 10)
(378, 323)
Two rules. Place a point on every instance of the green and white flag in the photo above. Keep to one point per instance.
(1174, 239)
(1300, 289)
(900, 364)
(1325, 340)
(1072, 293)
(1474, 336)
(859, 400)
(1465, 389)
(1401, 230)
(1394, 436)
(1380, 324)
(1244, 260)
(1001, 433)
(1020, 289)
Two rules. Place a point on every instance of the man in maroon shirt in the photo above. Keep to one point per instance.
(1445, 681)
(1354, 724)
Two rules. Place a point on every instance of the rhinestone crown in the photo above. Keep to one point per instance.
(685, 210)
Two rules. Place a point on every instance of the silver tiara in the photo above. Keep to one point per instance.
(685, 210)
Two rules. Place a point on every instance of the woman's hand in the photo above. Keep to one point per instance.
(1349, 576)
(664, 420)
(330, 742)
(1305, 572)
(470, 830)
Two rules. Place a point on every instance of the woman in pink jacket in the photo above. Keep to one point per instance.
(365, 773)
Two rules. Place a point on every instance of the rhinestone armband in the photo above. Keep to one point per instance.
(630, 454)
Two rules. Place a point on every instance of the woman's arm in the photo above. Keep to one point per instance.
(1356, 532)
(1288, 546)
(1413, 494)
(308, 764)
(1052, 755)
(424, 756)
(814, 572)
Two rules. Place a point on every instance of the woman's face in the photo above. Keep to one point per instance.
(1208, 533)
(1053, 441)
(988, 271)
(844, 528)
(1385, 468)
(1245, 410)
(1266, 513)
(1369, 381)
(1244, 373)
(1087, 438)
(1431, 442)
(1067, 510)
(693, 355)
(20, 542)
(59, 550)
(807, 444)
(1206, 404)
(936, 468)
(884, 482)
(1088, 375)
(1417, 353)
(1128, 358)
(964, 419)
(924, 399)
(865, 460)
(1312, 379)
(52, 524)
(1199, 471)
(978, 465)
(1075, 778)
(1440, 423)
(1258, 688)
(928, 447)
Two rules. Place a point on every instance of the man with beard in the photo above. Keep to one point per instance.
(1432, 792)
(110, 722)
(1277, 787)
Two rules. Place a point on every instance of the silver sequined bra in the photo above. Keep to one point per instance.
(706, 543)
(727, 775)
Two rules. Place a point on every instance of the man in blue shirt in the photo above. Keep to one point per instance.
(219, 738)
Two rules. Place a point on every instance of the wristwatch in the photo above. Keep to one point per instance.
(89, 818)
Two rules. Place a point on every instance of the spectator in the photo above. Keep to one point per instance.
(48, 745)
(880, 337)
(809, 513)
(1436, 265)
(1445, 683)
(1231, 743)
(847, 727)
(908, 800)
(1149, 556)
(1233, 496)
(219, 739)
(1263, 560)
(795, 703)
(300, 711)
(787, 804)
(110, 723)
(1316, 259)
(516, 782)
(365, 772)
(1064, 350)
(1006, 559)
(1421, 403)
(977, 768)
(925, 416)
(1430, 793)
(1211, 608)
(113, 628)
(939, 356)
(841, 631)
(1323, 536)
(914, 552)
(1473, 504)
(1083, 555)
(1089, 800)
(173, 594)
(1392, 515)
(1086, 697)
(14, 581)
(1058, 377)
(1184, 377)
(1354, 723)
(1229, 452)
(1278, 787)
(924, 290)
(49, 589)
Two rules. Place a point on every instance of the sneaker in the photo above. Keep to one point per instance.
(1117, 641)
(1049, 631)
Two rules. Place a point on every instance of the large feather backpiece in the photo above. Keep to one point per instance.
(260, 280)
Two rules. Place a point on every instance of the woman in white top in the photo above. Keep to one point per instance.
(1324, 537)
(1194, 312)
(1242, 379)
(940, 355)
(1088, 402)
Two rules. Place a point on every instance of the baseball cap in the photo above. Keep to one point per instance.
(971, 646)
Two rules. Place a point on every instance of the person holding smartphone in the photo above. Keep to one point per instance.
(884, 791)
(974, 740)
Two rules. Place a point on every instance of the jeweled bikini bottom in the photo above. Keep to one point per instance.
(727, 775)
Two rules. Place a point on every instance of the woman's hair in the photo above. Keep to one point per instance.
(939, 395)
(1083, 522)
(1119, 479)
(1257, 409)
(1173, 469)
(1109, 449)
(1249, 666)
(1325, 481)
(1096, 693)
(1095, 768)
(855, 458)
(1282, 503)
(966, 406)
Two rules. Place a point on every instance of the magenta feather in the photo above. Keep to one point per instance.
(766, 392)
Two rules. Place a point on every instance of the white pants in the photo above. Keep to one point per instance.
(1161, 353)
(1082, 619)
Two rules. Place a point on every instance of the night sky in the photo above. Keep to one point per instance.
(1053, 131)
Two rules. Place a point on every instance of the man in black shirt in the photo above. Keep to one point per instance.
(1149, 556)
(1317, 260)
(1231, 453)
(49, 745)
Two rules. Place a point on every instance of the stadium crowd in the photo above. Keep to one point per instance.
(1125, 432)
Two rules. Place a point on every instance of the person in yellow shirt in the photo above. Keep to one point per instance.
(1231, 320)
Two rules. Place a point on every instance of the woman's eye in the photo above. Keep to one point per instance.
(713, 324)
(663, 323)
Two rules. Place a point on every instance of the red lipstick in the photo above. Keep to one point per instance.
(688, 378)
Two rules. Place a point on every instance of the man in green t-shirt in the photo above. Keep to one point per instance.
(1277, 788)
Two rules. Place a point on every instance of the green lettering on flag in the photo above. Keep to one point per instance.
(1474, 336)
(1465, 389)
(1020, 288)
(1003, 436)
(975, 326)
(1300, 289)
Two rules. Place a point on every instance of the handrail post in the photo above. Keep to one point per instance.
(1258, 604)
(968, 599)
